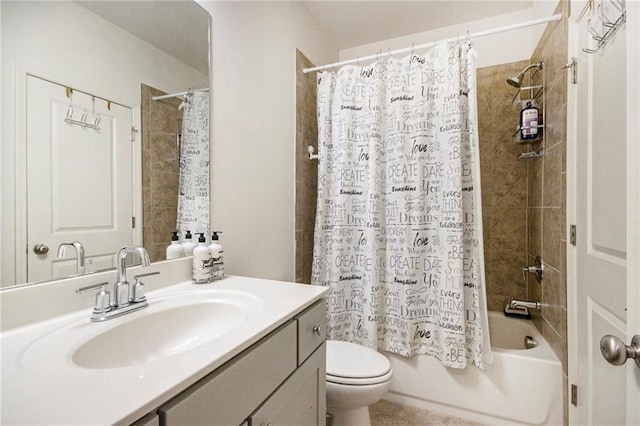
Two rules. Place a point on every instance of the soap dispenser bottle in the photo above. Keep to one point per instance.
(175, 249)
(188, 245)
(201, 261)
(217, 257)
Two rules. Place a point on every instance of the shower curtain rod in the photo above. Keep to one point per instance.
(556, 17)
(175, 95)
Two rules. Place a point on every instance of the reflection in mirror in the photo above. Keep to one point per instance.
(71, 104)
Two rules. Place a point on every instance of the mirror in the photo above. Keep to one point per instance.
(106, 52)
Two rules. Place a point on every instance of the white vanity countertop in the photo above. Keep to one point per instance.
(41, 387)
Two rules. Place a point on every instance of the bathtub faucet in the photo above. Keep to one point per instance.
(521, 308)
(519, 304)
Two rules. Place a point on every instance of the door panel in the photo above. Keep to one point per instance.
(606, 407)
(607, 217)
(79, 180)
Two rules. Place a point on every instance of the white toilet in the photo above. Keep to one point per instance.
(357, 377)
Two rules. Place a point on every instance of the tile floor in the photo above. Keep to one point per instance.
(386, 413)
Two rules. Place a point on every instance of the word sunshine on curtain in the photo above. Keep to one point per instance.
(398, 235)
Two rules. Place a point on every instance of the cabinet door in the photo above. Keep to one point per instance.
(312, 329)
(232, 392)
(301, 400)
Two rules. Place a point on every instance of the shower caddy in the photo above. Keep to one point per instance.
(536, 96)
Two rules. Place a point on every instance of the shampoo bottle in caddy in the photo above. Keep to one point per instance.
(175, 249)
(201, 261)
(529, 120)
(188, 245)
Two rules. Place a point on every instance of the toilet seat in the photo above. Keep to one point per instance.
(352, 364)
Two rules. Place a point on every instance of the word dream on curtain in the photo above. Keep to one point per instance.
(398, 235)
(193, 197)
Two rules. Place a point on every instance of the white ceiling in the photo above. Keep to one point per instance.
(354, 23)
(179, 28)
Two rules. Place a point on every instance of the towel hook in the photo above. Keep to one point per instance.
(603, 17)
(596, 36)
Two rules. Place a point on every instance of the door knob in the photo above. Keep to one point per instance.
(40, 249)
(617, 353)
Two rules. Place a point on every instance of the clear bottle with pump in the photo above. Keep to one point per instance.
(175, 249)
(217, 257)
(188, 245)
(201, 261)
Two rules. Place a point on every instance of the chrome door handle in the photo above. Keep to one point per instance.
(40, 249)
(617, 353)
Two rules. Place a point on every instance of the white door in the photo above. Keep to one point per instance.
(79, 179)
(607, 215)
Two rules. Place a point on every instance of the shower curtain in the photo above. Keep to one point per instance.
(193, 197)
(398, 234)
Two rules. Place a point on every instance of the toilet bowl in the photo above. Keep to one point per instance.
(357, 377)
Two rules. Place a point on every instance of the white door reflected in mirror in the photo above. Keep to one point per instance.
(79, 179)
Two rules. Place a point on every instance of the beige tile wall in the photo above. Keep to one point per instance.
(306, 170)
(547, 189)
(504, 185)
(161, 124)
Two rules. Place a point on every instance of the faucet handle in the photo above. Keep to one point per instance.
(137, 277)
(103, 298)
(138, 287)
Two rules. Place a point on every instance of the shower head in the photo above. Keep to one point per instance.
(516, 80)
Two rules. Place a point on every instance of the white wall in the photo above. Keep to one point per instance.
(495, 49)
(70, 45)
(253, 136)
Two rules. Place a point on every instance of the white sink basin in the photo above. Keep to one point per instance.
(158, 335)
(170, 326)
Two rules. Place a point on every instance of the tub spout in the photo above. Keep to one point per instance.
(519, 308)
(519, 304)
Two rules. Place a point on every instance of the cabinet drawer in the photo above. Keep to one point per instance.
(312, 329)
(301, 400)
(231, 393)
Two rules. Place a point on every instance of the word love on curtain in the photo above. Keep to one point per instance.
(193, 197)
(398, 235)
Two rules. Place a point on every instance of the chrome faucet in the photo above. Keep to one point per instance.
(520, 304)
(77, 245)
(125, 300)
(521, 307)
(121, 289)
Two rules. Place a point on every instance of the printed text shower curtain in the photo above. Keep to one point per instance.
(398, 235)
(193, 197)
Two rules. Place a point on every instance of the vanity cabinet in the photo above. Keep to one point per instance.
(278, 380)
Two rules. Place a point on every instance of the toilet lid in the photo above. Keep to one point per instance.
(350, 360)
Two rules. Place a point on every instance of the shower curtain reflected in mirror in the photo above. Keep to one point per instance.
(398, 235)
(193, 197)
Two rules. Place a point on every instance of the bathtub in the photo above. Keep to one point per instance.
(523, 386)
